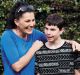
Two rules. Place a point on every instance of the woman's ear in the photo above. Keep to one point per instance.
(16, 22)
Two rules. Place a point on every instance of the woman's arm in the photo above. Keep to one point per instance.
(75, 45)
(38, 74)
(23, 61)
(77, 72)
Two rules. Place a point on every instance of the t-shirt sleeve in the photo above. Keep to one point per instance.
(9, 48)
(42, 37)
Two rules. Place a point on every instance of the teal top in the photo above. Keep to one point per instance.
(14, 47)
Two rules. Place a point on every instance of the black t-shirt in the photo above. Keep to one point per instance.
(58, 61)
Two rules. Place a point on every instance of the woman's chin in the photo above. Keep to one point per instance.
(30, 32)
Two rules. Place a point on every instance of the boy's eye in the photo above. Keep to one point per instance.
(33, 20)
(46, 28)
(52, 29)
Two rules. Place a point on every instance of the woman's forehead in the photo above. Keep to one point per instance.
(28, 15)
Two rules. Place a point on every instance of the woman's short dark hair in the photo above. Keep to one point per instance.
(16, 12)
(56, 20)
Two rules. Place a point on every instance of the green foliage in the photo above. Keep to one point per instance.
(5, 7)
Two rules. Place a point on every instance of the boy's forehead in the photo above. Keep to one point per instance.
(47, 24)
(50, 26)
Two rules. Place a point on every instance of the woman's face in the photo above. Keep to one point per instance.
(26, 22)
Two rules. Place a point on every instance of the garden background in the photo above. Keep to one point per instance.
(68, 9)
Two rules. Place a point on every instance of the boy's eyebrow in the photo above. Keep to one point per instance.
(45, 27)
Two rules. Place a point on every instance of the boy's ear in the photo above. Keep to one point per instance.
(62, 30)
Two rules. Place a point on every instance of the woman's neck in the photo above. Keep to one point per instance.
(20, 34)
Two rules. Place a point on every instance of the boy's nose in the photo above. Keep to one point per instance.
(48, 32)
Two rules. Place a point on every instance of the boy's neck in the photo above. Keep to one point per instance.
(54, 45)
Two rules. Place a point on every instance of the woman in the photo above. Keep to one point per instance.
(17, 39)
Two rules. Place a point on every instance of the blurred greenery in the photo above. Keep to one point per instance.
(68, 9)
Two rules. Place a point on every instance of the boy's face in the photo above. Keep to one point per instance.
(52, 32)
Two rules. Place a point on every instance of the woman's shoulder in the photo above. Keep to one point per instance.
(37, 31)
(6, 33)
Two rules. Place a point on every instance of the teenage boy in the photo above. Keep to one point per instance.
(56, 57)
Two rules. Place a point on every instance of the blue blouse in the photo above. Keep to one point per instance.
(14, 47)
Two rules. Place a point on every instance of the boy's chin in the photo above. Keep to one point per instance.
(51, 41)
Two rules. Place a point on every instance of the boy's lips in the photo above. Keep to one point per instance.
(49, 37)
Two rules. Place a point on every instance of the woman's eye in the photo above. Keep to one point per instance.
(27, 21)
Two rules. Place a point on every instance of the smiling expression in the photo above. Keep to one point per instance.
(26, 22)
